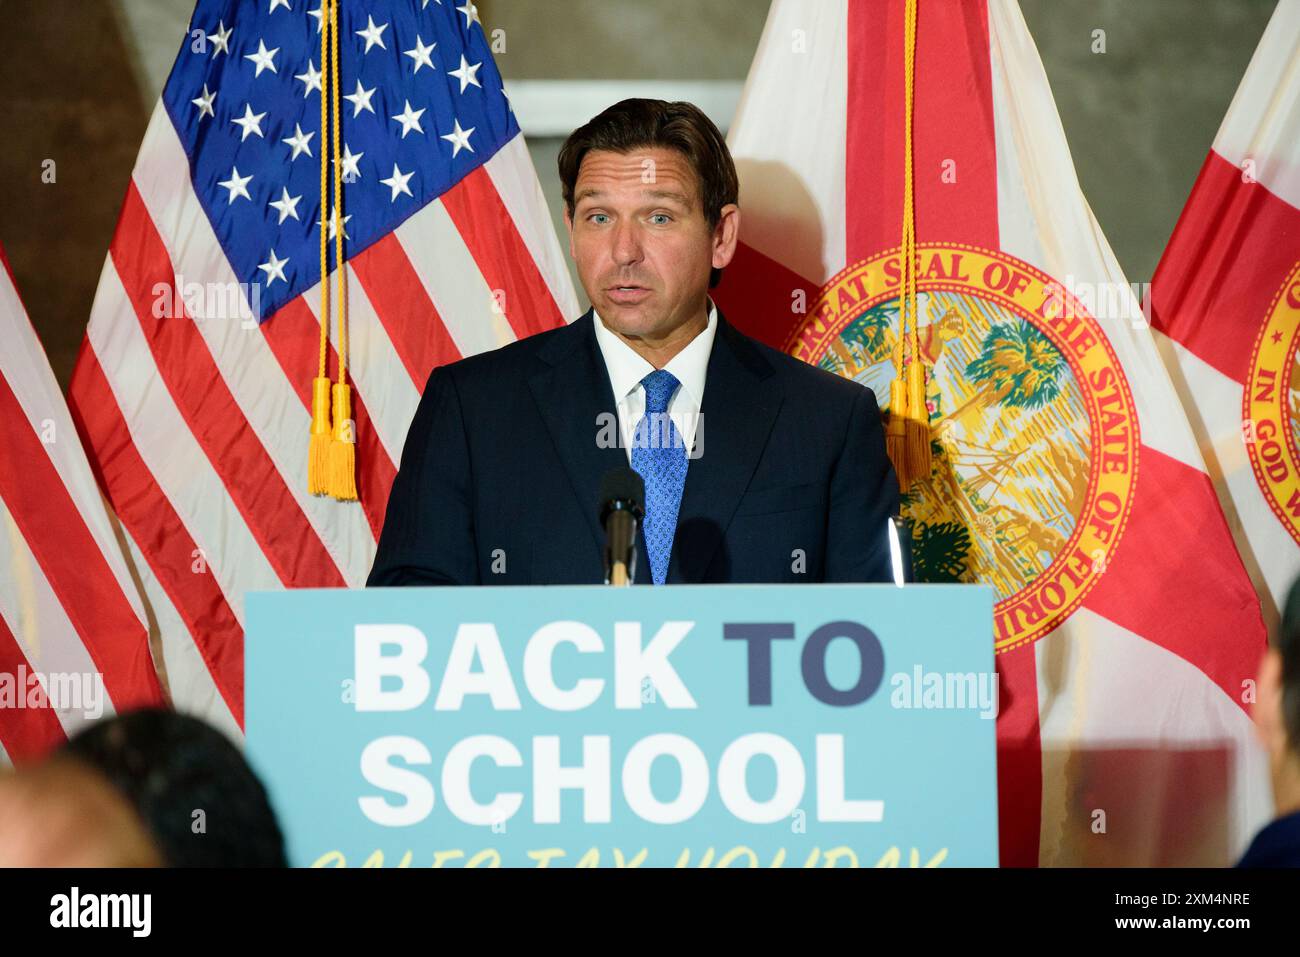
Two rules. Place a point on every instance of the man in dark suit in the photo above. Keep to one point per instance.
(758, 467)
(1277, 719)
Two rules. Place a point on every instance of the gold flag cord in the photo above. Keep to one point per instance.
(321, 427)
(342, 458)
(907, 437)
(331, 464)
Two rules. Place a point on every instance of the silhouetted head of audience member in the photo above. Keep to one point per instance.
(1277, 707)
(149, 787)
(61, 813)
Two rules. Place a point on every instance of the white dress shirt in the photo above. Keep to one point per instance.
(627, 368)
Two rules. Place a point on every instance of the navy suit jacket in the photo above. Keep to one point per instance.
(1277, 845)
(502, 469)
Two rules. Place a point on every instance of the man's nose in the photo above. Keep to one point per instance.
(627, 243)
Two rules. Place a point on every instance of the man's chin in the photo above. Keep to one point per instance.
(629, 320)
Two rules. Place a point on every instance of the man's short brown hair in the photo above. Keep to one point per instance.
(637, 124)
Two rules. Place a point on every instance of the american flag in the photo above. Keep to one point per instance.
(72, 627)
(193, 386)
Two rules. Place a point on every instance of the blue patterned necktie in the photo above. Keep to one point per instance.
(659, 455)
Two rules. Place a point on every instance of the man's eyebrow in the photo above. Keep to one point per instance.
(666, 194)
(653, 193)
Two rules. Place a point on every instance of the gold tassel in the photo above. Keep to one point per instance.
(896, 430)
(907, 436)
(321, 427)
(918, 421)
(342, 448)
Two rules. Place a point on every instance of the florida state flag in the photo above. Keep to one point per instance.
(1227, 296)
(911, 218)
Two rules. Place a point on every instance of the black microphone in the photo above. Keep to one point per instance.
(622, 494)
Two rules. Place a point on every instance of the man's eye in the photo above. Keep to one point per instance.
(598, 218)
(661, 219)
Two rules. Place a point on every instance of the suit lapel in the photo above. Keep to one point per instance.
(742, 396)
(571, 393)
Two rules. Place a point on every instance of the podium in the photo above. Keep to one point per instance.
(681, 725)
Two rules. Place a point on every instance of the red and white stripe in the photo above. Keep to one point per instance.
(67, 602)
(1235, 245)
(1133, 705)
(198, 425)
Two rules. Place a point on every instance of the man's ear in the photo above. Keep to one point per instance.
(726, 235)
(568, 225)
(1267, 710)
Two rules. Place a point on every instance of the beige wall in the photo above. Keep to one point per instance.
(616, 39)
(78, 79)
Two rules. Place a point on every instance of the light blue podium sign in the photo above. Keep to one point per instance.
(691, 725)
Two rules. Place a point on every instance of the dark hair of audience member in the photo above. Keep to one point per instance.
(190, 785)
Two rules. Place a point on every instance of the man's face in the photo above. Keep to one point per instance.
(641, 242)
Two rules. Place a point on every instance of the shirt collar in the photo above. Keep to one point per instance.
(627, 368)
